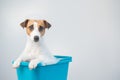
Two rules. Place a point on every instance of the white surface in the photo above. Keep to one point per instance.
(88, 30)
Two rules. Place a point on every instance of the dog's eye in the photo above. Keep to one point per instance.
(41, 28)
(31, 27)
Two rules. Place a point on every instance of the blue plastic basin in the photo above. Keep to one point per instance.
(57, 71)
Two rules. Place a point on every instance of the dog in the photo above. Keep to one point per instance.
(35, 51)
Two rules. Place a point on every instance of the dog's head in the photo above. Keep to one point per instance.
(35, 28)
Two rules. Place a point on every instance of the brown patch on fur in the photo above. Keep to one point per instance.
(47, 25)
(24, 24)
(39, 22)
(30, 22)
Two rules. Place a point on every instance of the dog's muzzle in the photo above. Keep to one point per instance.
(36, 38)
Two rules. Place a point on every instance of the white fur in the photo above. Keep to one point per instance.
(35, 32)
(35, 52)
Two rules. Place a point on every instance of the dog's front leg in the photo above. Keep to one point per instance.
(33, 63)
(21, 58)
(17, 62)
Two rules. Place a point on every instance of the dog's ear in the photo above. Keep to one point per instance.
(24, 24)
(47, 25)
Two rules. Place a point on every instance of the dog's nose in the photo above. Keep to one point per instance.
(36, 38)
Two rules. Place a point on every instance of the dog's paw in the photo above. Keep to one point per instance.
(16, 64)
(32, 65)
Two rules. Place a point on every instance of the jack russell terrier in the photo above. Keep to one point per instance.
(35, 50)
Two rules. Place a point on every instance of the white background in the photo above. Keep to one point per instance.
(87, 30)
